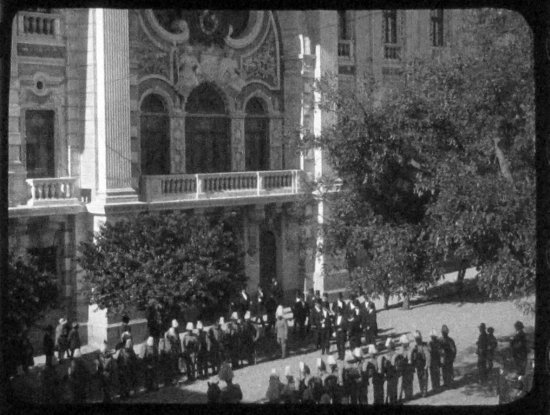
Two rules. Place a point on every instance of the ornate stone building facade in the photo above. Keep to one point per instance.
(115, 112)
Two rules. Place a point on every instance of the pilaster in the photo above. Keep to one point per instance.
(237, 142)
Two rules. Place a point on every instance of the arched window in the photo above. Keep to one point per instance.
(155, 136)
(256, 132)
(40, 146)
(207, 140)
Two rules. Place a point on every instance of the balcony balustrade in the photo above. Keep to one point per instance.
(175, 187)
(52, 191)
(36, 25)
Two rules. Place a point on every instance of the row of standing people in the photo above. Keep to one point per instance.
(349, 381)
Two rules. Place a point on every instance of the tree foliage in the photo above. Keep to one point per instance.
(31, 292)
(164, 263)
(438, 166)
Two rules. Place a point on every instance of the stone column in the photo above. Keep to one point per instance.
(112, 106)
(237, 142)
(255, 215)
(275, 142)
(177, 127)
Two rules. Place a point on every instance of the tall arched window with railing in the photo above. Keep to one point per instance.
(256, 132)
(207, 138)
(154, 136)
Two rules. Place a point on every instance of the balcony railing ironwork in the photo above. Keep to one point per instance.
(174, 187)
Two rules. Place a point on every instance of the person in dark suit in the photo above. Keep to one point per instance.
(369, 323)
(316, 323)
(325, 323)
(354, 327)
(448, 354)
(310, 305)
(299, 313)
(519, 348)
(325, 303)
(339, 304)
(482, 353)
(340, 328)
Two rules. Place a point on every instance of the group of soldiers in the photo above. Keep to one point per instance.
(387, 369)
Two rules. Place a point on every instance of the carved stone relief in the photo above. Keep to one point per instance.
(262, 64)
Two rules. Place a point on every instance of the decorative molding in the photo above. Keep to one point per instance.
(253, 32)
(262, 64)
(149, 57)
(41, 51)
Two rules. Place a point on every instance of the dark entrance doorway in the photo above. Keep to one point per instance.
(268, 258)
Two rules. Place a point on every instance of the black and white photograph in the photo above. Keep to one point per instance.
(312, 206)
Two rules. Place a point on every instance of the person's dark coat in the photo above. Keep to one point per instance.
(48, 345)
(520, 351)
(74, 339)
(79, 378)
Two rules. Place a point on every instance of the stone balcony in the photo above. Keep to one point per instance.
(53, 191)
(221, 187)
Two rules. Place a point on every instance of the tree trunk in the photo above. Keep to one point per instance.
(406, 302)
(386, 301)
(502, 161)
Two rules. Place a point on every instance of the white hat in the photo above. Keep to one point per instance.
(189, 326)
(274, 372)
(301, 365)
(279, 312)
(349, 356)
(199, 325)
(319, 361)
(371, 349)
(388, 343)
(417, 335)
(150, 341)
(222, 321)
(287, 371)
(433, 333)
(331, 361)
(404, 339)
(357, 353)
(103, 347)
(264, 317)
(175, 324)
(247, 315)
(62, 320)
(77, 353)
(234, 316)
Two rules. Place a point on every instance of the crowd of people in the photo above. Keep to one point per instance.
(198, 352)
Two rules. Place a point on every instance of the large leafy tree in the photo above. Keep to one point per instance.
(163, 264)
(439, 166)
(30, 293)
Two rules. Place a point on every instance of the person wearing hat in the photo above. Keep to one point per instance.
(275, 387)
(105, 371)
(244, 302)
(289, 392)
(390, 373)
(325, 325)
(481, 352)
(62, 339)
(48, 345)
(354, 325)
(309, 305)
(520, 351)
(150, 364)
(435, 360)
(448, 355)
(189, 348)
(369, 322)
(316, 314)
(276, 290)
(339, 304)
(232, 392)
(232, 343)
(340, 328)
(202, 351)
(352, 378)
(492, 346)
(281, 328)
(79, 377)
(214, 341)
(331, 382)
(250, 336)
(259, 305)
(127, 369)
(421, 360)
(406, 369)
(299, 314)
(173, 347)
(74, 339)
